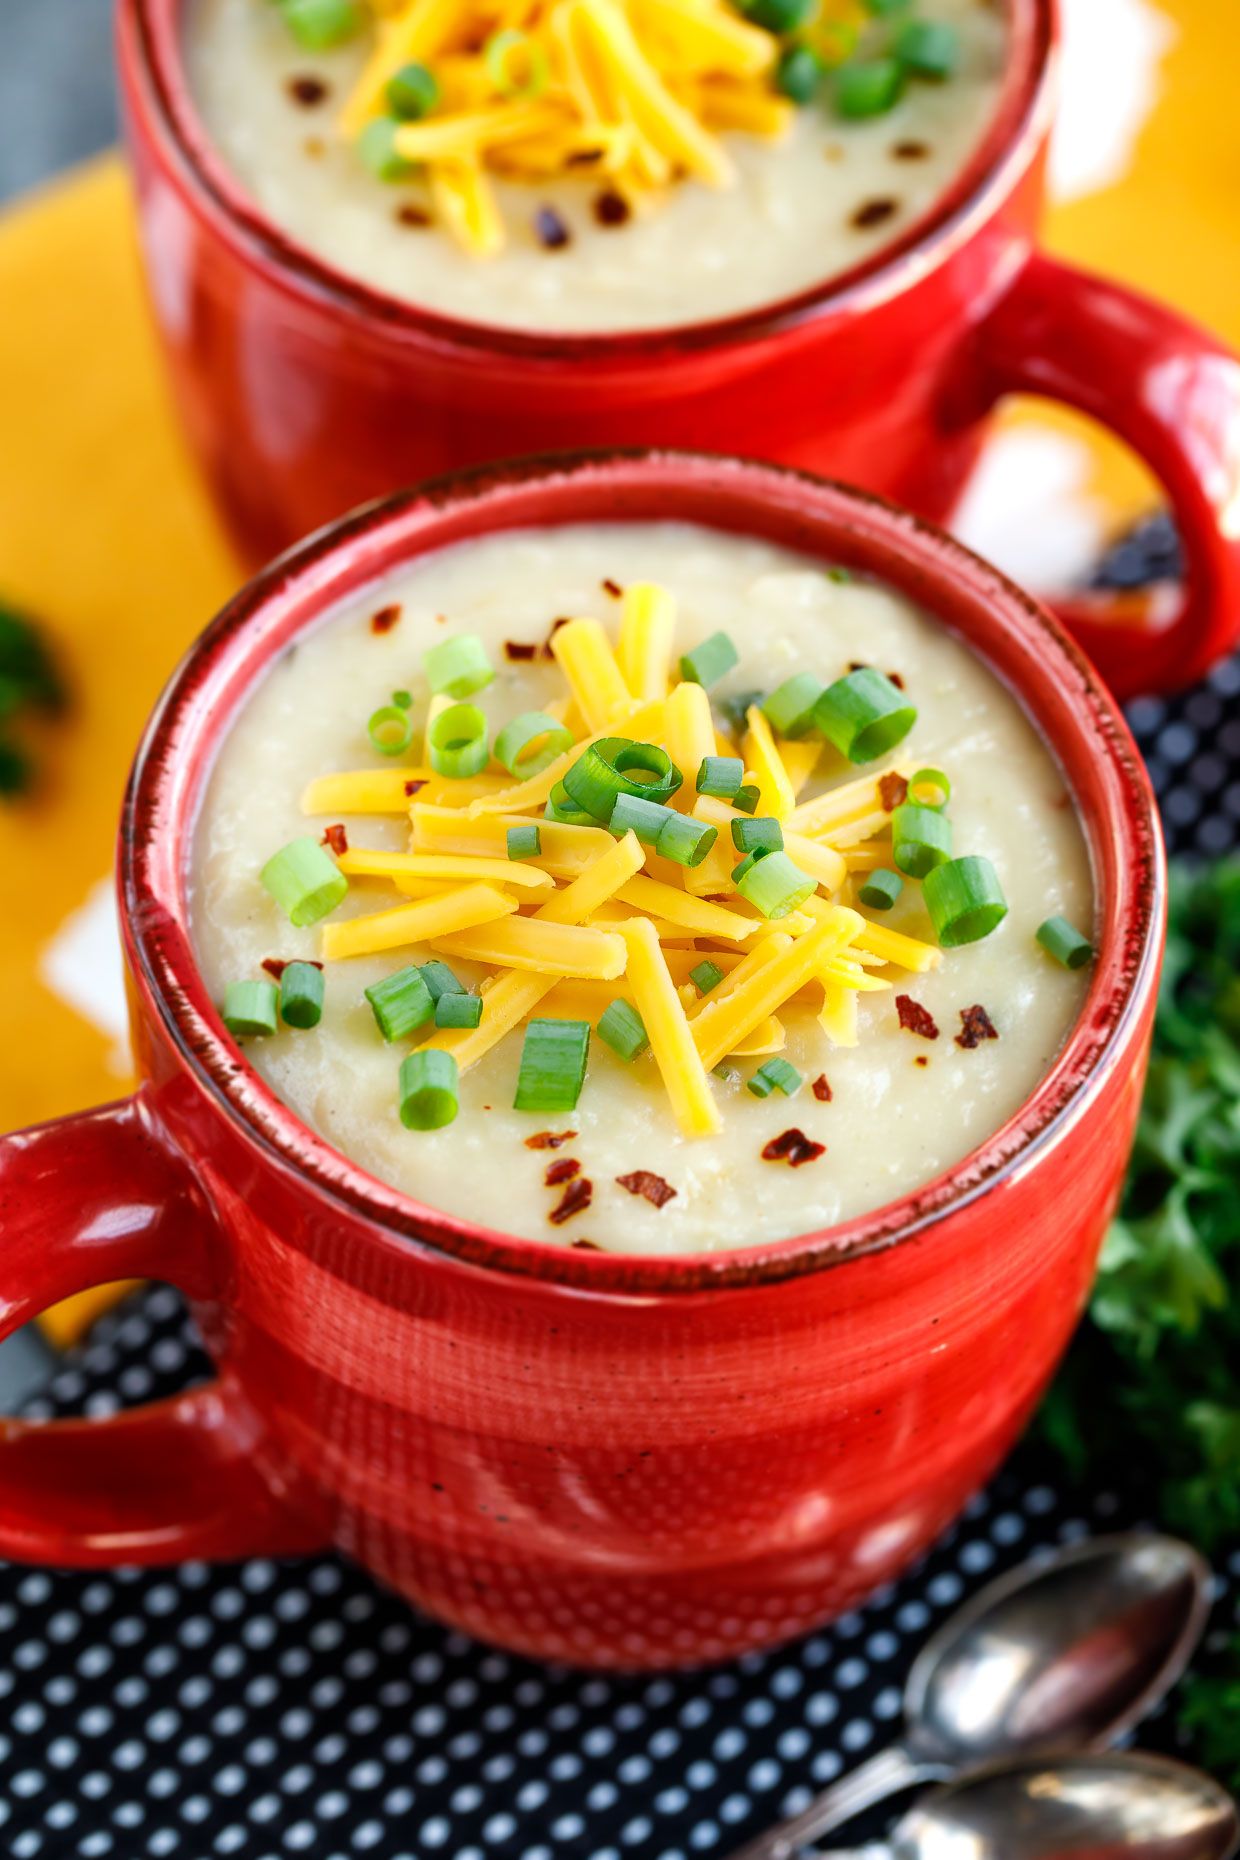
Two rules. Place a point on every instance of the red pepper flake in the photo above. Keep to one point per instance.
(550, 1140)
(385, 619)
(336, 838)
(794, 1148)
(308, 91)
(858, 665)
(612, 587)
(276, 965)
(975, 1026)
(822, 1091)
(916, 1018)
(587, 1246)
(553, 234)
(892, 790)
(411, 215)
(921, 1060)
(911, 151)
(555, 627)
(413, 787)
(653, 1187)
(873, 213)
(612, 209)
(517, 649)
(562, 1171)
(895, 679)
(577, 1196)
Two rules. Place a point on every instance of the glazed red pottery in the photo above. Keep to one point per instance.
(305, 393)
(615, 1461)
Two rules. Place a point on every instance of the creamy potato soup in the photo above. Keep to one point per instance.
(607, 167)
(787, 986)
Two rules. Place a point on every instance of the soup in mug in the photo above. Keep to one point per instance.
(641, 887)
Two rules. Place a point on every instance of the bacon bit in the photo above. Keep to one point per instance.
(588, 1246)
(873, 213)
(411, 215)
(577, 1195)
(794, 1148)
(276, 965)
(336, 838)
(911, 151)
(976, 1026)
(916, 1018)
(517, 649)
(562, 1171)
(413, 787)
(307, 91)
(895, 679)
(612, 587)
(612, 209)
(555, 627)
(584, 158)
(822, 1091)
(892, 790)
(921, 1060)
(386, 618)
(550, 1140)
(653, 1187)
(858, 665)
(553, 234)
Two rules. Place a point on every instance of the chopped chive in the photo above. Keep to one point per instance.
(937, 783)
(868, 87)
(301, 995)
(458, 742)
(864, 715)
(928, 47)
(401, 1003)
(429, 1083)
(498, 54)
(377, 148)
(250, 1008)
(458, 1010)
(746, 799)
(775, 1075)
(720, 776)
(320, 24)
(710, 661)
(881, 889)
(304, 881)
(706, 976)
(624, 1030)
(390, 730)
(799, 73)
(631, 814)
(412, 92)
(763, 834)
(748, 863)
(403, 699)
(613, 766)
(1065, 943)
(921, 838)
(440, 980)
(561, 807)
(553, 1065)
(541, 735)
(727, 1073)
(790, 708)
(685, 841)
(525, 841)
(456, 668)
(774, 886)
(778, 15)
(965, 900)
(887, 9)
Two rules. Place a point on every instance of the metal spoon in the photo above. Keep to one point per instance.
(1118, 1807)
(1065, 1653)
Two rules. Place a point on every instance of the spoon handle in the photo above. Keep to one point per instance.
(882, 1775)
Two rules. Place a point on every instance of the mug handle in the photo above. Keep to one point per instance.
(1172, 392)
(85, 1201)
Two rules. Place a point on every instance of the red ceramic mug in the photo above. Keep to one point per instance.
(305, 393)
(610, 1460)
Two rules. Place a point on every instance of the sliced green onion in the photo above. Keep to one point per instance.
(841, 575)
(706, 976)
(377, 147)
(320, 24)
(790, 708)
(499, 51)
(624, 1030)
(736, 708)
(456, 668)
(774, 886)
(778, 15)
(720, 776)
(561, 807)
(250, 1008)
(748, 863)
(746, 799)
(864, 715)
(304, 881)
(412, 92)
(775, 1075)
(401, 1003)
(429, 1082)
(799, 73)
(887, 9)
(921, 838)
(937, 783)
(614, 766)
(453, 1010)
(553, 1065)
(929, 47)
(685, 841)
(525, 841)
(761, 835)
(458, 742)
(1065, 943)
(549, 739)
(868, 87)
(965, 900)
(390, 730)
(710, 661)
(440, 980)
(301, 995)
(881, 889)
(403, 699)
(632, 814)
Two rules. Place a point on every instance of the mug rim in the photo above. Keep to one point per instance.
(340, 561)
(1020, 122)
